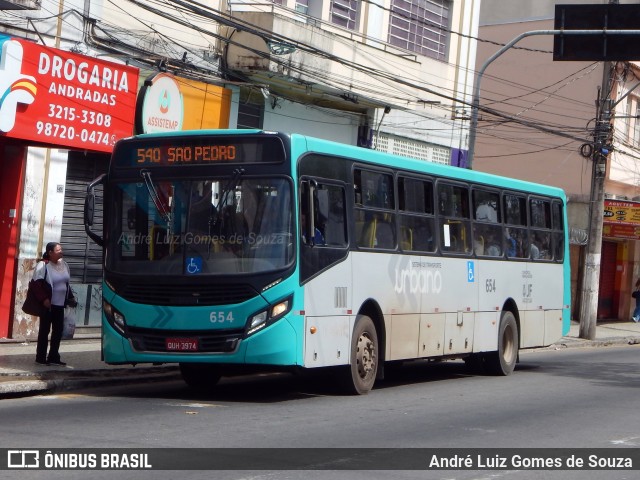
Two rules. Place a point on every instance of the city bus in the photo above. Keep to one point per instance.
(247, 250)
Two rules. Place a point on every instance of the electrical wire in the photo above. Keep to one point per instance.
(333, 80)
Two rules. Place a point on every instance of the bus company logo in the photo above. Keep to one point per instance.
(23, 459)
(15, 87)
(418, 280)
(162, 105)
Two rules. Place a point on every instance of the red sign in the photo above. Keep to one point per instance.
(61, 98)
(613, 230)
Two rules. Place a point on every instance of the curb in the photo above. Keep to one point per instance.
(605, 342)
(89, 379)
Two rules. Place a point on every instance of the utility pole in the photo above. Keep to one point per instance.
(591, 275)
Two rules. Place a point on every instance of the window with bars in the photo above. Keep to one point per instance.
(250, 109)
(345, 13)
(421, 26)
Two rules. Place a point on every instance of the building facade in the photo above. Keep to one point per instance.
(550, 139)
(386, 74)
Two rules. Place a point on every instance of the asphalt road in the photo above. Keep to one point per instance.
(579, 398)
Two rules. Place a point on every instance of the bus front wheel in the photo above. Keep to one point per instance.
(200, 376)
(503, 361)
(360, 376)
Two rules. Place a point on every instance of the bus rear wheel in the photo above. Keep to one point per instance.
(200, 376)
(503, 361)
(360, 375)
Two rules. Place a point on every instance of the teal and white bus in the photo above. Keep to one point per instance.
(227, 250)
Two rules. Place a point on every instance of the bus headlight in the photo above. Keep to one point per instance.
(114, 317)
(268, 316)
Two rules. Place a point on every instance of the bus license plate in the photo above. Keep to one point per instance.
(181, 344)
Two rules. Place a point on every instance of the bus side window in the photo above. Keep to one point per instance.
(557, 246)
(516, 235)
(333, 224)
(453, 206)
(416, 214)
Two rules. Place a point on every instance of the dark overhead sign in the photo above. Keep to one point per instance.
(597, 47)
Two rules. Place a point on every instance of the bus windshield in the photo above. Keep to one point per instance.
(215, 226)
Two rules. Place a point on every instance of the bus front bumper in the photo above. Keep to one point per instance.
(275, 345)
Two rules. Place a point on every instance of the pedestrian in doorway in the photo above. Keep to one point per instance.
(636, 294)
(55, 293)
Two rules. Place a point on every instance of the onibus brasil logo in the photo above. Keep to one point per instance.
(15, 88)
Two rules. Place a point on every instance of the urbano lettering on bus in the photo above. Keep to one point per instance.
(418, 281)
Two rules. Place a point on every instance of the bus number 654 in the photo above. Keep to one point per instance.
(220, 317)
(490, 285)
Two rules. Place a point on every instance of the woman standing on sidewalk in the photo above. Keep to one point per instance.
(636, 294)
(55, 294)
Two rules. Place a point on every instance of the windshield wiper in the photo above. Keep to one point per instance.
(224, 195)
(153, 193)
(231, 184)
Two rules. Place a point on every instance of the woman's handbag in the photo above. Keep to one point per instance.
(31, 305)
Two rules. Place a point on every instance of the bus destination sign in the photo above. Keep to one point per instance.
(186, 154)
(197, 150)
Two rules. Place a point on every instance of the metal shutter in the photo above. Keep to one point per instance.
(81, 253)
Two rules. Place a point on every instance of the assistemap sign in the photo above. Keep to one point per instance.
(55, 97)
(160, 105)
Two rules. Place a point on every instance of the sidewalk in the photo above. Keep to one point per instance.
(20, 376)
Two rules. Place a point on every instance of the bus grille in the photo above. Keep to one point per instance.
(171, 294)
(145, 340)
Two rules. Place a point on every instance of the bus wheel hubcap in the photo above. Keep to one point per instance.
(366, 355)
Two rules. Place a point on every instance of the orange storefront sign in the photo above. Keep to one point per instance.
(168, 103)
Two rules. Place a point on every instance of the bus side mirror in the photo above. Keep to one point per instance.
(89, 210)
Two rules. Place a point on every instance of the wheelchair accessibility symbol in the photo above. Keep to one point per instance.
(471, 275)
(194, 265)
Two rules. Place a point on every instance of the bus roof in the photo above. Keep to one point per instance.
(422, 166)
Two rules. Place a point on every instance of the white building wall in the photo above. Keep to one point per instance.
(292, 117)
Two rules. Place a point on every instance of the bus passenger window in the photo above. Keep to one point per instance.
(486, 206)
(557, 246)
(330, 218)
(416, 233)
(516, 242)
(490, 238)
(454, 237)
(541, 246)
